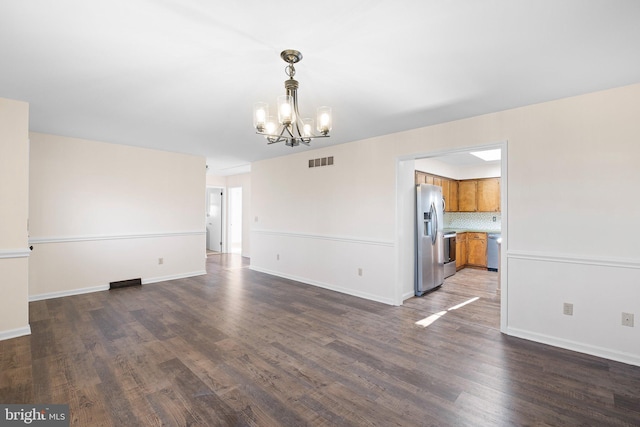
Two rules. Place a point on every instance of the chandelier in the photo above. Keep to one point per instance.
(290, 127)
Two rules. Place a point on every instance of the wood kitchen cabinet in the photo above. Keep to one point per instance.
(479, 195)
(452, 201)
(488, 195)
(477, 249)
(423, 178)
(444, 183)
(461, 250)
(450, 194)
(467, 193)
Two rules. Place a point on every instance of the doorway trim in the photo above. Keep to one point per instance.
(234, 202)
(405, 262)
(223, 215)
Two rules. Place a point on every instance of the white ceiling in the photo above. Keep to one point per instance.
(182, 75)
(464, 159)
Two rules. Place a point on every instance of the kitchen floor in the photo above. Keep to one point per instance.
(462, 287)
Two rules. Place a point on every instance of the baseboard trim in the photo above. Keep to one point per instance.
(173, 277)
(15, 333)
(60, 294)
(408, 295)
(100, 288)
(618, 356)
(365, 295)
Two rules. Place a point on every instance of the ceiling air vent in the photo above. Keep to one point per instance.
(324, 161)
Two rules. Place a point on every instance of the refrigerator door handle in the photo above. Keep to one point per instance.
(434, 235)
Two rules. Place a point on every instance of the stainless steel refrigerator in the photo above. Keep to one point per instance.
(429, 238)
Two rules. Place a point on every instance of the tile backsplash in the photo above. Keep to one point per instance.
(473, 220)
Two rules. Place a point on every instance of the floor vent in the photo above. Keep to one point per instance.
(125, 283)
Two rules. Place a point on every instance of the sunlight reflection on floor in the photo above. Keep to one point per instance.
(429, 320)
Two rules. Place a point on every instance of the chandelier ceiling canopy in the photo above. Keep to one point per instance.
(290, 128)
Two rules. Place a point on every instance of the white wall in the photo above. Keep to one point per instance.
(105, 212)
(572, 167)
(14, 252)
(216, 181)
(325, 223)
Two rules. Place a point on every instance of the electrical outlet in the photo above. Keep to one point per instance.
(255, 219)
(627, 319)
(160, 261)
(494, 219)
(360, 272)
(568, 309)
(277, 257)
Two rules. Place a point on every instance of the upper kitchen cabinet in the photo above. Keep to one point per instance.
(449, 188)
(467, 195)
(479, 195)
(450, 194)
(489, 195)
(423, 178)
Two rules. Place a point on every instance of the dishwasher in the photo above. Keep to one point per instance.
(492, 251)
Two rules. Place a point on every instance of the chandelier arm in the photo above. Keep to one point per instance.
(283, 137)
(275, 138)
(271, 135)
(291, 135)
(296, 125)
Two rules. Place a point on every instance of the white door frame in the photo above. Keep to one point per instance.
(230, 214)
(405, 262)
(223, 215)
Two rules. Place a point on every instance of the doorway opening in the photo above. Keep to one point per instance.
(405, 201)
(235, 220)
(214, 220)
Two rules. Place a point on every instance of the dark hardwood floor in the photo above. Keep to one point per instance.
(238, 347)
